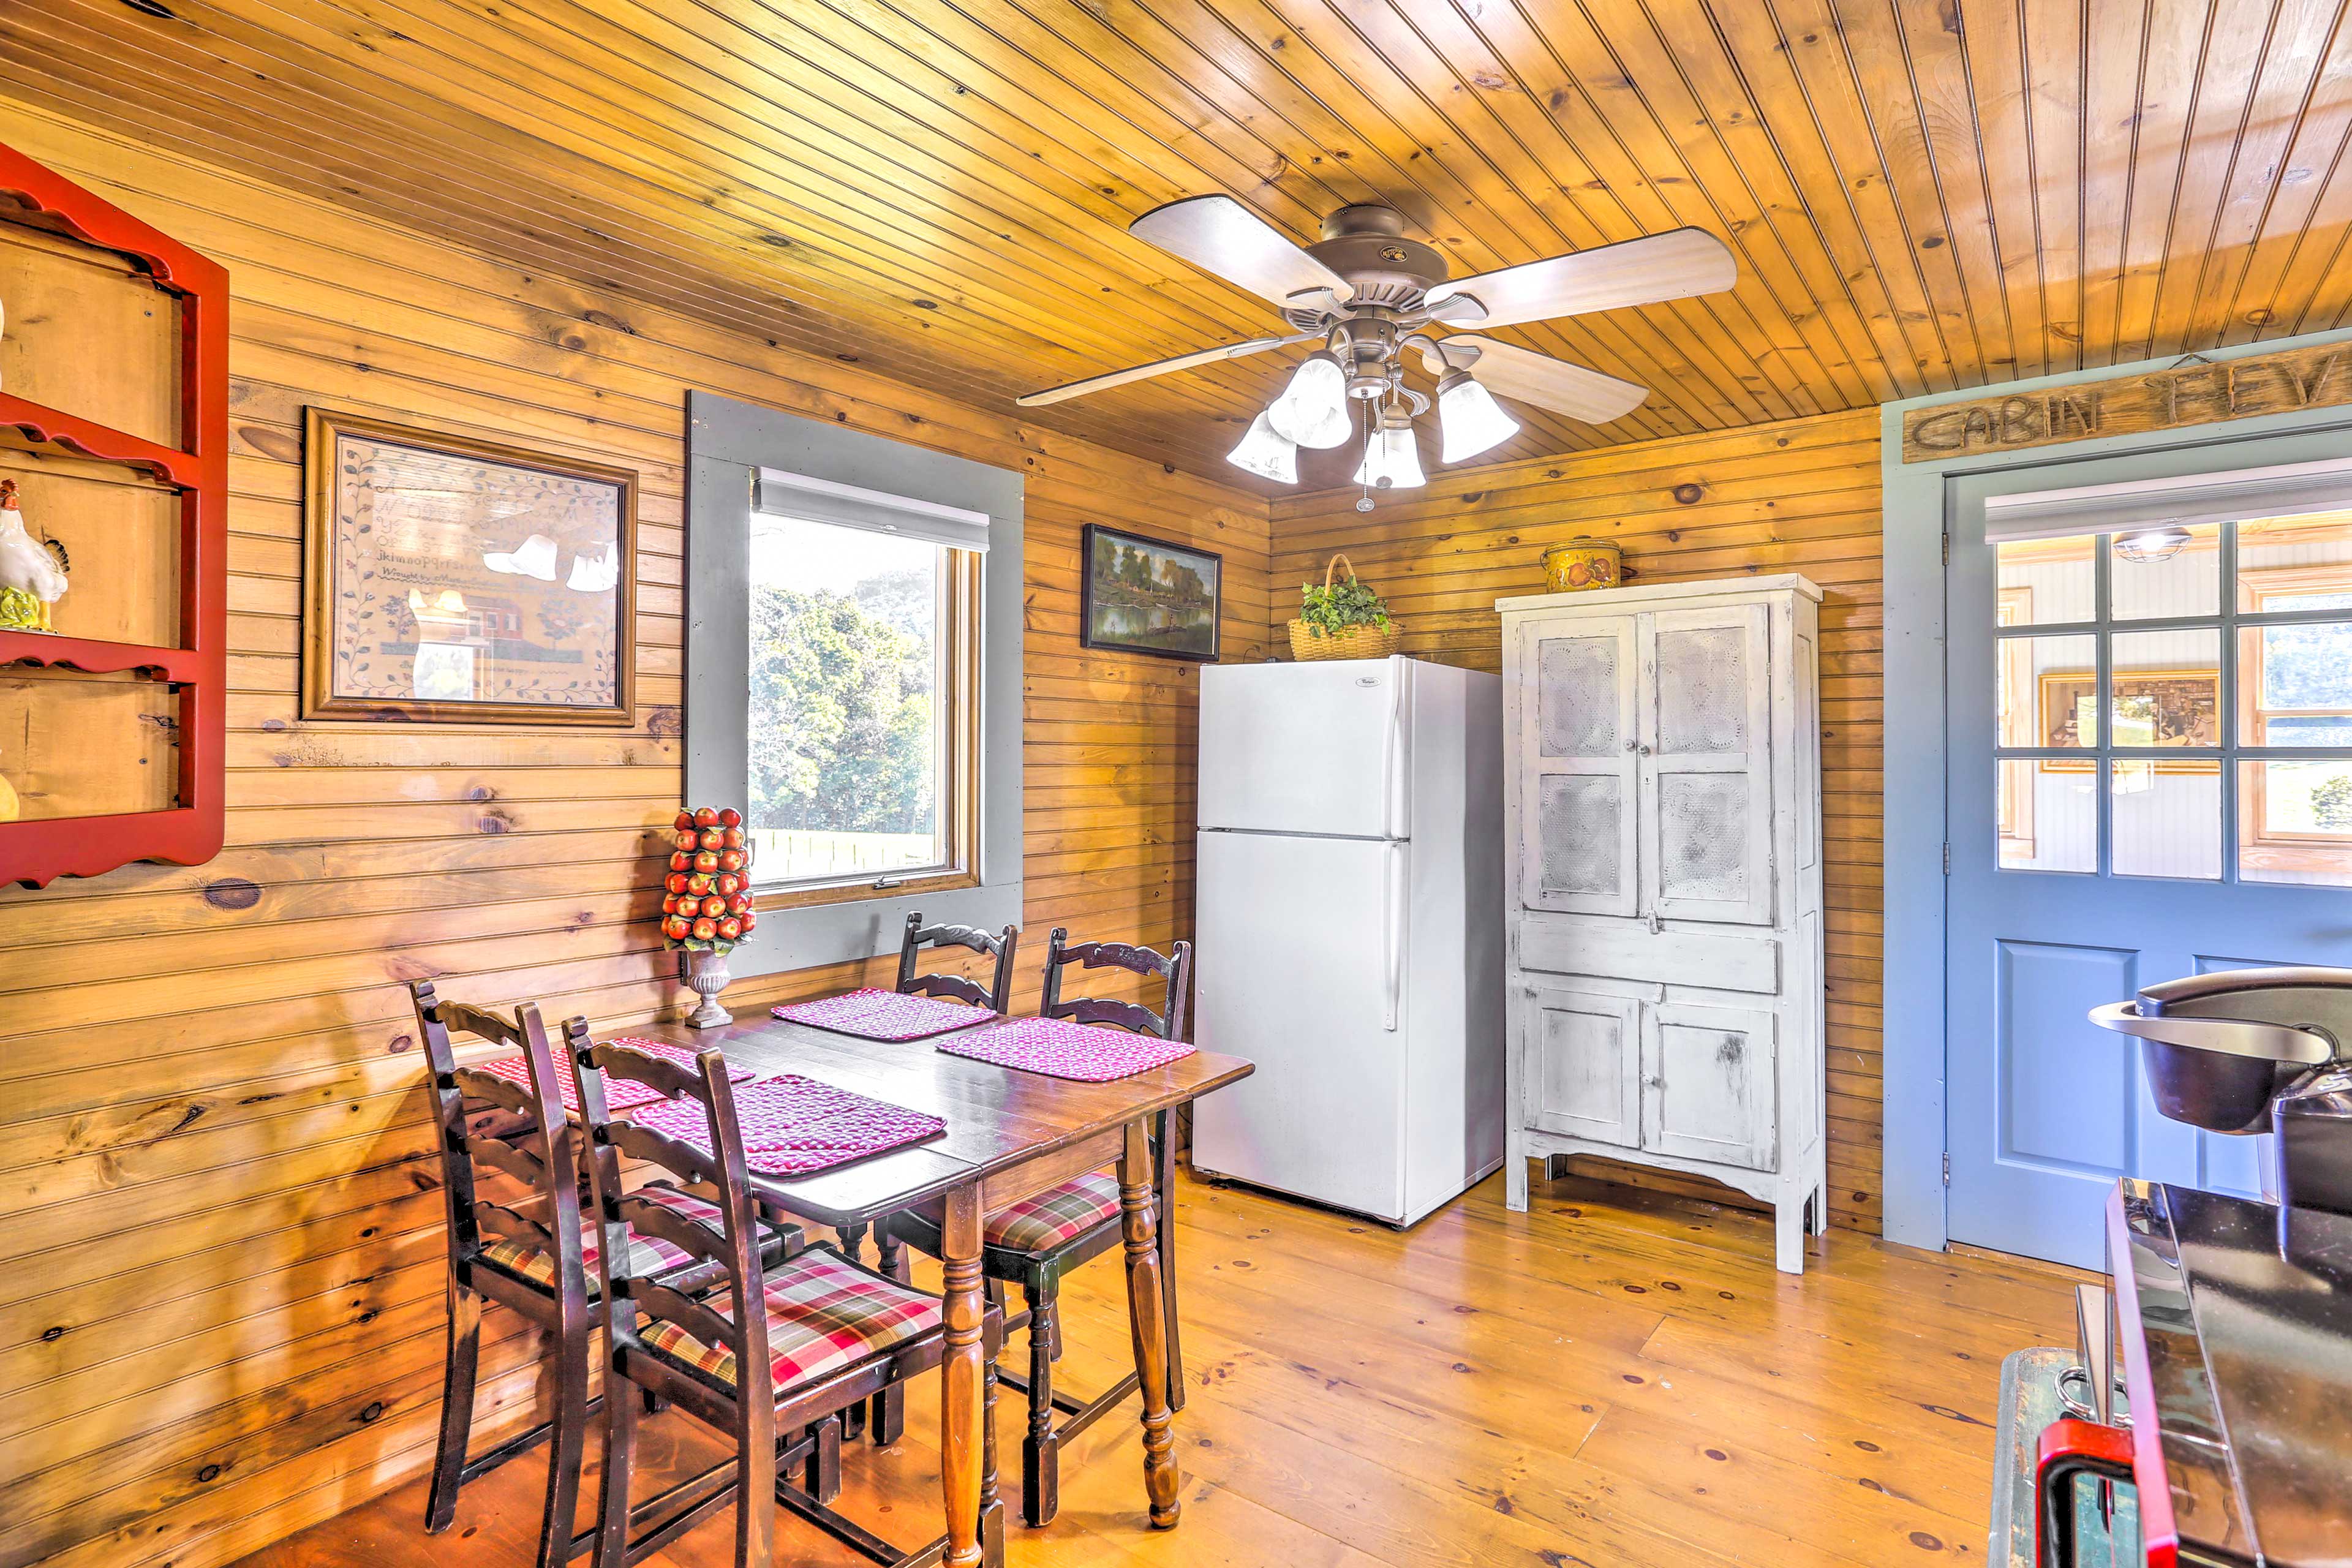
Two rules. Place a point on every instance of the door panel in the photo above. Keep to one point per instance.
(1293, 935)
(1577, 752)
(1304, 748)
(1709, 1084)
(2102, 838)
(1707, 824)
(1583, 1055)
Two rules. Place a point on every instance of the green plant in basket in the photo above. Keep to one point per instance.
(1328, 608)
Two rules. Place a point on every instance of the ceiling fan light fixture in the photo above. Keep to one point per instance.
(1313, 409)
(1266, 452)
(1392, 461)
(1469, 418)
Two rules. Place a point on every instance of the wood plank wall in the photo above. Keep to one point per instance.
(220, 1265)
(1798, 496)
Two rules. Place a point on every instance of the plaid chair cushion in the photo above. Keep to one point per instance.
(647, 1254)
(825, 1313)
(1058, 1215)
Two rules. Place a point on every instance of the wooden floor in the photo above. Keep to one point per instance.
(1610, 1380)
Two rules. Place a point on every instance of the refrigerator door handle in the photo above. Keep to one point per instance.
(1393, 901)
(1396, 767)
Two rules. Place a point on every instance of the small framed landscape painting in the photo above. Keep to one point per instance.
(454, 581)
(1147, 596)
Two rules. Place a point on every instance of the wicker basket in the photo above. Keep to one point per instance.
(1308, 642)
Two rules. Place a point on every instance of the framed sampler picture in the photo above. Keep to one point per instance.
(1148, 596)
(454, 581)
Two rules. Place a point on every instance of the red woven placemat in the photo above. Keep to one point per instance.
(877, 1014)
(620, 1094)
(794, 1125)
(1060, 1049)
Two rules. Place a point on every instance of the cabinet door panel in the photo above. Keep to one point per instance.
(1709, 1088)
(1706, 807)
(1578, 816)
(1583, 1059)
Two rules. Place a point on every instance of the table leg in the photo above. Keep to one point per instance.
(1145, 1316)
(962, 1397)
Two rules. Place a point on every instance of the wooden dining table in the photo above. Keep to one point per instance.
(1010, 1135)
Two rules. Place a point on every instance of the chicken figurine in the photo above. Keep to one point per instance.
(32, 570)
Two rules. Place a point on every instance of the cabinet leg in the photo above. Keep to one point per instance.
(1789, 1235)
(1515, 1177)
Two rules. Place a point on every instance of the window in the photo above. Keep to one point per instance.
(852, 676)
(863, 671)
(2142, 709)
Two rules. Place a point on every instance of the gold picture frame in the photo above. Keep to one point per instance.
(448, 580)
(2160, 703)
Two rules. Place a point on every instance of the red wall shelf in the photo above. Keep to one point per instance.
(36, 852)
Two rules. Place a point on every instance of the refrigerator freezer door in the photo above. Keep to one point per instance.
(1293, 937)
(1319, 748)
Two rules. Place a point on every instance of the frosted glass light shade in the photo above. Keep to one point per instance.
(1470, 419)
(1266, 453)
(1390, 460)
(1313, 409)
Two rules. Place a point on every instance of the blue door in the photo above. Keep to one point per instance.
(2150, 776)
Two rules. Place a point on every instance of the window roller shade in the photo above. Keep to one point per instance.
(2289, 489)
(782, 494)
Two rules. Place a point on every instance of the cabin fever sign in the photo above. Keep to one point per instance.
(2188, 395)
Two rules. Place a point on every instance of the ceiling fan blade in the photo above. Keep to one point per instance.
(1220, 235)
(1157, 367)
(1547, 382)
(1646, 271)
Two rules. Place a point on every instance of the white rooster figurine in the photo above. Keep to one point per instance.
(32, 571)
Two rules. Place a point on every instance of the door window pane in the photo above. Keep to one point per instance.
(2167, 818)
(2165, 571)
(2048, 814)
(2296, 563)
(2047, 582)
(2048, 692)
(2295, 684)
(2166, 688)
(848, 741)
(2295, 821)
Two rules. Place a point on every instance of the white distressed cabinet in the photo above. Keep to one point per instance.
(1664, 905)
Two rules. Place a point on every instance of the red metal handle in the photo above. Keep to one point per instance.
(2070, 1449)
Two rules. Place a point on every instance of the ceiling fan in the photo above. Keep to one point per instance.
(1370, 294)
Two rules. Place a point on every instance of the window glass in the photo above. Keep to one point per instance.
(2047, 582)
(2167, 818)
(2295, 684)
(2165, 571)
(2049, 816)
(2166, 688)
(2048, 692)
(848, 736)
(2296, 563)
(2295, 821)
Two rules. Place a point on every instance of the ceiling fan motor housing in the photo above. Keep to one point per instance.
(1366, 245)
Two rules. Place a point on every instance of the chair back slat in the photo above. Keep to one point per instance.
(467, 1139)
(492, 1089)
(998, 994)
(628, 1295)
(670, 1306)
(504, 1154)
(649, 1218)
(675, 1082)
(683, 1160)
(1175, 966)
(505, 1223)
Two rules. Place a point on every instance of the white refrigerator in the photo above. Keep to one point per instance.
(1349, 930)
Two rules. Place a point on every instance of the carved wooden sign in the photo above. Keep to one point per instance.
(2188, 394)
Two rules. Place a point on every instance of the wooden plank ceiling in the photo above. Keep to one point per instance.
(1922, 194)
